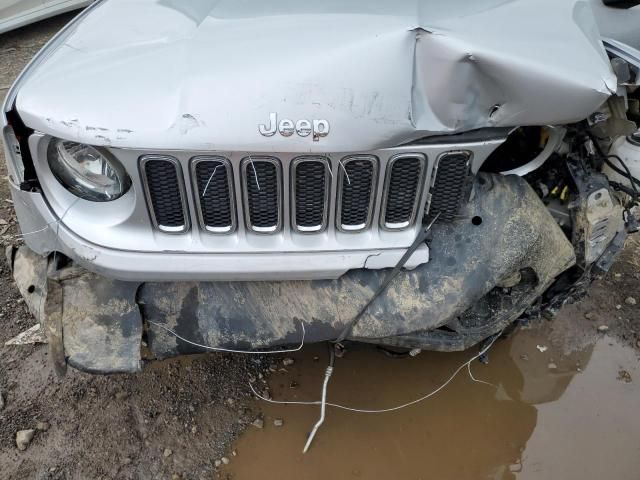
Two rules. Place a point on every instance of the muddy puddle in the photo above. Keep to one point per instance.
(547, 415)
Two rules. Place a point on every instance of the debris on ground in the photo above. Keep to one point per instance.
(278, 422)
(42, 426)
(552, 366)
(258, 423)
(287, 362)
(541, 348)
(23, 438)
(603, 328)
(225, 460)
(31, 336)
(624, 376)
(630, 301)
(167, 452)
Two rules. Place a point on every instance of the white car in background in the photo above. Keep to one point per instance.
(17, 13)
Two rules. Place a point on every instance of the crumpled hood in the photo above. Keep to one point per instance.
(204, 74)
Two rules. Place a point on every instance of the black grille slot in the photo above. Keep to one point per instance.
(213, 181)
(310, 194)
(263, 187)
(357, 178)
(165, 193)
(404, 179)
(449, 187)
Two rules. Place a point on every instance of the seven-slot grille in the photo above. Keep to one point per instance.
(402, 191)
(261, 193)
(448, 188)
(356, 180)
(262, 183)
(164, 188)
(310, 192)
(213, 187)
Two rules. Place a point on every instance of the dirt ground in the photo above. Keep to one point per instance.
(178, 419)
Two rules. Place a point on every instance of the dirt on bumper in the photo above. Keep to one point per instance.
(486, 269)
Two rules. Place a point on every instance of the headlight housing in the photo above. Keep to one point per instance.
(86, 171)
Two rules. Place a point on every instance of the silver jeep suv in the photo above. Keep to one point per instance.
(195, 175)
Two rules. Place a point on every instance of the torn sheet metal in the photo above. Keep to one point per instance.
(205, 75)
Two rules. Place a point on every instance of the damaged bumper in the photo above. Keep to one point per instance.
(484, 272)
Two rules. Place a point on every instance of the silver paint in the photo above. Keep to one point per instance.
(389, 73)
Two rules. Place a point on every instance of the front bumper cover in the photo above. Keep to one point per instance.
(486, 269)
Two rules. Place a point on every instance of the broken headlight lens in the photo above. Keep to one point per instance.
(87, 172)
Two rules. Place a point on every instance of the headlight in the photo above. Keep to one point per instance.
(87, 172)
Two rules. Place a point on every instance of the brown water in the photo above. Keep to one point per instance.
(578, 421)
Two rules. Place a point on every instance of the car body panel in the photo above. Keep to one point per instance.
(18, 13)
(623, 25)
(444, 71)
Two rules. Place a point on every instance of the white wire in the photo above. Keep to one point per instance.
(475, 379)
(255, 173)
(345, 172)
(385, 410)
(20, 236)
(209, 181)
(228, 350)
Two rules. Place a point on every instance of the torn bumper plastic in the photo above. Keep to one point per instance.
(486, 269)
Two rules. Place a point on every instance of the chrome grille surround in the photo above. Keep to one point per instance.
(344, 191)
(296, 164)
(251, 196)
(127, 225)
(448, 185)
(388, 196)
(201, 205)
(150, 191)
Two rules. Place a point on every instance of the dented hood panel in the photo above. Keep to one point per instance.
(203, 74)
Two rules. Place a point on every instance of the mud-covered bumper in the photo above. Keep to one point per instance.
(485, 270)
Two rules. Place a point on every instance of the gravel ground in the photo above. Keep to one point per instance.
(177, 418)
